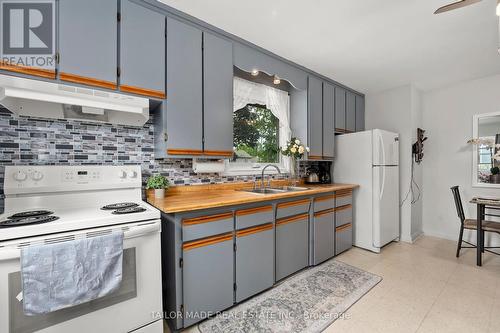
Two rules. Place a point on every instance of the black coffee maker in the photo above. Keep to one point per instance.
(324, 173)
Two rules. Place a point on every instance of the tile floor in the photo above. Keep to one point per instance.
(424, 289)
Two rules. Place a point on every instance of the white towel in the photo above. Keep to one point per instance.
(62, 275)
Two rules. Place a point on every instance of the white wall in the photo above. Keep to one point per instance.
(399, 110)
(447, 117)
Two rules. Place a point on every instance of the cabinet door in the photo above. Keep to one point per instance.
(328, 121)
(324, 233)
(291, 245)
(217, 96)
(315, 112)
(343, 238)
(360, 113)
(350, 112)
(254, 260)
(142, 50)
(88, 42)
(339, 110)
(207, 276)
(184, 85)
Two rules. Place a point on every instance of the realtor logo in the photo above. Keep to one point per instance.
(28, 31)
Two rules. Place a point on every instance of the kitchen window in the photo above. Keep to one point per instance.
(261, 125)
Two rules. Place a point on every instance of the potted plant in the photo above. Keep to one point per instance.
(295, 150)
(495, 175)
(159, 183)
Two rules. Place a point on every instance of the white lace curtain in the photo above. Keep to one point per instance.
(246, 92)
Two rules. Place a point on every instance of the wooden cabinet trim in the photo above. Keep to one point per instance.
(143, 91)
(343, 208)
(255, 210)
(324, 212)
(324, 198)
(88, 81)
(254, 230)
(340, 130)
(218, 152)
(293, 203)
(46, 73)
(314, 157)
(292, 219)
(206, 219)
(184, 152)
(207, 241)
(343, 193)
(343, 227)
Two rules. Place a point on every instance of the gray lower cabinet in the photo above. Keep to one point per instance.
(328, 121)
(184, 119)
(360, 113)
(340, 109)
(88, 33)
(254, 260)
(217, 96)
(291, 245)
(343, 238)
(350, 112)
(207, 276)
(142, 50)
(315, 115)
(324, 231)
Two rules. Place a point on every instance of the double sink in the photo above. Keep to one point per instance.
(275, 190)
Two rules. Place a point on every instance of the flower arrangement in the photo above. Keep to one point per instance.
(490, 143)
(294, 148)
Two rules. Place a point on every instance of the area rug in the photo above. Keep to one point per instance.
(307, 302)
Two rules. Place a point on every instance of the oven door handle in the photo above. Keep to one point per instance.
(137, 231)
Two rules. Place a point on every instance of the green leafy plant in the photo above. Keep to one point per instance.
(157, 182)
(495, 170)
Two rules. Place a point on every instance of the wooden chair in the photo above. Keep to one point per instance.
(471, 224)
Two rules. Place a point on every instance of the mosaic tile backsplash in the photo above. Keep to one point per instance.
(39, 141)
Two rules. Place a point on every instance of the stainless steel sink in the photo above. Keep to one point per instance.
(274, 190)
(266, 190)
(291, 188)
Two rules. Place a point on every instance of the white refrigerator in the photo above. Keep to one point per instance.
(371, 159)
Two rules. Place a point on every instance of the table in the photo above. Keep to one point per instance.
(482, 205)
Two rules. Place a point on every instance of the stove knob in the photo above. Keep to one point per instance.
(20, 176)
(132, 174)
(122, 174)
(36, 175)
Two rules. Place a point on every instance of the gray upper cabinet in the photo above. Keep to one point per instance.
(360, 113)
(184, 84)
(315, 115)
(328, 120)
(217, 96)
(340, 110)
(142, 50)
(88, 33)
(350, 112)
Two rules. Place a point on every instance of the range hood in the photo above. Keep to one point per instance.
(42, 99)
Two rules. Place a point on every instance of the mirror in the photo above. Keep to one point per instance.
(486, 152)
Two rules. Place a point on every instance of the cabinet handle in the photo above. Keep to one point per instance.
(292, 219)
(254, 230)
(324, 212)
(207, 241)
(206, 219)
(326, 197)
(293, 203)
(343, 208)
(343, 227)
(255, 210)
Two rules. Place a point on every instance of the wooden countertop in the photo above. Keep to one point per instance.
(190, 198)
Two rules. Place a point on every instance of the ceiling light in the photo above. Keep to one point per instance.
(255, 72)
(498, 7)
(276, 80)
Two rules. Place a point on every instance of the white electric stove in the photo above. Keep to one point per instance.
(48, 204)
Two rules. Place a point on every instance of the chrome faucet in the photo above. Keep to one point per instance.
(263, 170)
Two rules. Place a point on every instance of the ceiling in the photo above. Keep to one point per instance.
(369, 45)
